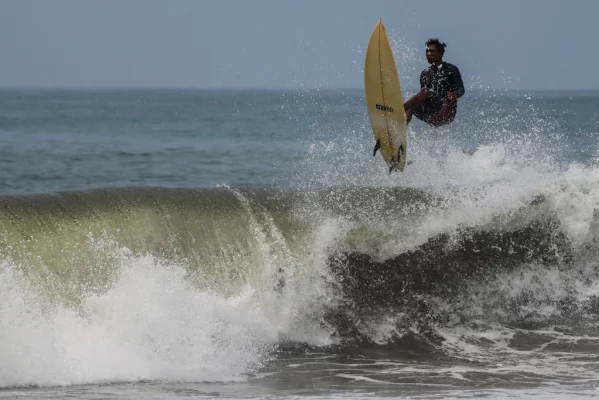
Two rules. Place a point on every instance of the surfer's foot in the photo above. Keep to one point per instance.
(377, 146)
(408, 116)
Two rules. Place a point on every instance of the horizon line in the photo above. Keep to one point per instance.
(191, 88)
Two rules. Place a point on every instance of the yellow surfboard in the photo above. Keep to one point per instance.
(384, 100)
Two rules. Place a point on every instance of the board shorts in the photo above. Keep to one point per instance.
(436, 111)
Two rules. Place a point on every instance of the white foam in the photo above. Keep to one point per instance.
(149, 325)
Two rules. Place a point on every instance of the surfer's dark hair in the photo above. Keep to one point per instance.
(438, 44)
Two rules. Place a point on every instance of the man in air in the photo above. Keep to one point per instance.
(441, 86)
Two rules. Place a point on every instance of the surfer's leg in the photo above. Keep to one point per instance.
(445, 116)
(425, 105)
(420, 113)
(426, 111)
(416, 100)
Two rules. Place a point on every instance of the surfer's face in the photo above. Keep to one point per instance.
(432, 54)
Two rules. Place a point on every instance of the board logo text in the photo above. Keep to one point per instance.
(384, 108)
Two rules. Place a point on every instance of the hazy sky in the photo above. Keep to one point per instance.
(525, 44)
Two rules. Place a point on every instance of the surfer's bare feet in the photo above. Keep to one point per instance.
(408, 116)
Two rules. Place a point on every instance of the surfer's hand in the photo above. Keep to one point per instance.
(452, 96)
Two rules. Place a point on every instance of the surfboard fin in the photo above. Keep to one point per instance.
(400, 153)
(377, 146)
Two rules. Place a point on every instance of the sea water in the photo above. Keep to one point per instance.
(246, 244)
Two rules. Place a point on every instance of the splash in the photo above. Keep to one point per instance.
(150, 325)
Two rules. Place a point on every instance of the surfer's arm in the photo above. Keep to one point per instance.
(423, 80)
(457, 84)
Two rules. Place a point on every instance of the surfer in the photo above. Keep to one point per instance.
(440, 87)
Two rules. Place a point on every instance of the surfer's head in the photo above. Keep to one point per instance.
(434, 50)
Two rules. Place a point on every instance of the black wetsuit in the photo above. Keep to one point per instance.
(438, 82)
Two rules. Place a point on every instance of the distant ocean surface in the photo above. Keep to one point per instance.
(174, 244)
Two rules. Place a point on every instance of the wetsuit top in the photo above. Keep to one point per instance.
(442, 79)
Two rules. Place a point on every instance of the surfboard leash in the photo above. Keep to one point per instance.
(422, 134)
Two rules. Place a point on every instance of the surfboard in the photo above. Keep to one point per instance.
(384, 100)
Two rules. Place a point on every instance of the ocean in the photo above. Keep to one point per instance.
(172, 244)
